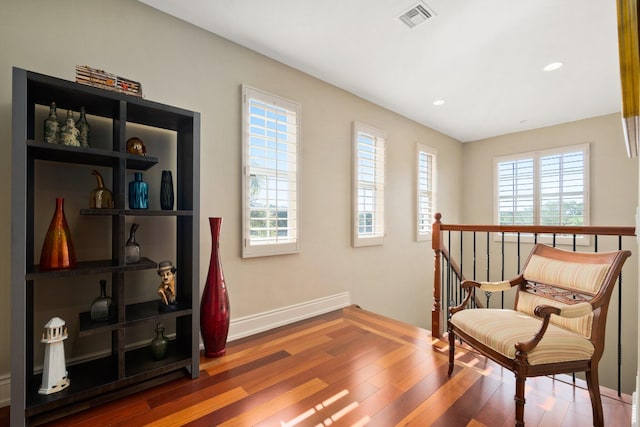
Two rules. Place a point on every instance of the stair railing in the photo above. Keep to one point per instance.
(450, 270)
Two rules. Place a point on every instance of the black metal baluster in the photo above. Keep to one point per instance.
(488, 294)
(502, 272)
(461, 260)
(474, 267)
(519, 263)
(620, 324)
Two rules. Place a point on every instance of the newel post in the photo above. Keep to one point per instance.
(436, 312)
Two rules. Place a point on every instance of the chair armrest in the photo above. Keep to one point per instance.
(489, 286)
(576, 310)
(495, 286)
(468, 285)
(545, 311)
(570, 311)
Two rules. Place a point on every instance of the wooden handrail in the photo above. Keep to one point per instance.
(440, 251)
(543, 229)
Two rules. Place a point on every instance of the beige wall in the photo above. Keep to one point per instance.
(613, 174)
(613, 197)
(181, 65)
(187, 67)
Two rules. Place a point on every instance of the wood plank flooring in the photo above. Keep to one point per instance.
(351, 368)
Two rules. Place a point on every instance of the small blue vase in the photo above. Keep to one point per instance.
(138, 193)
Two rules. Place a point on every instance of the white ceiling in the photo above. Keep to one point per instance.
(484, 57)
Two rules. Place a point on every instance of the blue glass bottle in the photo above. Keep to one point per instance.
(138, 193)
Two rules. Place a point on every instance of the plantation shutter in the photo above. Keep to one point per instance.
(426, 192)
(270, 174)
(516, 192)
(369, 185)
(562, 189)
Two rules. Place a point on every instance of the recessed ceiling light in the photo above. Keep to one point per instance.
(553, 66)
(438, 102)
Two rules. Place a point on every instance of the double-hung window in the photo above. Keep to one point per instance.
(426, 186)
(547, 188)
(368, 185)
(271, 170)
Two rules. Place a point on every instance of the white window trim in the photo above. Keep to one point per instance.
(249, 250)
(380, 136)
(421, 148)
(582, 240)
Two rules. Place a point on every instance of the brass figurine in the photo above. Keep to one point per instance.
(167, 288)
(136, 146)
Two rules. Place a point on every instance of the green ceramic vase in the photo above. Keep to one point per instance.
(160, 344)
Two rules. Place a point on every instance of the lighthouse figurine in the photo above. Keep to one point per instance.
(54, 371)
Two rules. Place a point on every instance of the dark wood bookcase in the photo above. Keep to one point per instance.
(124, 369)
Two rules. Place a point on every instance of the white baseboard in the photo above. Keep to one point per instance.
(239, 328)
(5, 390)
(634, 405)
(260, 322)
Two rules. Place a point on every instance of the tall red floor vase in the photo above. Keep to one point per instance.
(214, 306)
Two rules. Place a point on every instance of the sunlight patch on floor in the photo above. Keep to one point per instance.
(319, 407)
(548, 404)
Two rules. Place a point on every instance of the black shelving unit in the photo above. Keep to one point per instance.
(125, 370)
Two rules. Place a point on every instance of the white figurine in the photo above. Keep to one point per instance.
(54, 372)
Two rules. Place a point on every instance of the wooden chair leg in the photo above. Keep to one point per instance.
(520, 401)
(452, 351)
(594, 392)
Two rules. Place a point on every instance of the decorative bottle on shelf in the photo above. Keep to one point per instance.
(101, 197)
(57, 248)
(138, 193)
(166, 191)
(102, 306)
(51, 126)
(214, 306)
(160, 344)
(132, 248)
(69, 133)
(83, 128)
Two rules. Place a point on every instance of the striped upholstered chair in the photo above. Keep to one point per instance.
(558, 324)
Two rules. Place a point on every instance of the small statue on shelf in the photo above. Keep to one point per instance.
(136, 146)
(55, 377)
(167, 288)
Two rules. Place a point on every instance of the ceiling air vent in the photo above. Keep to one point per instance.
(416, 15)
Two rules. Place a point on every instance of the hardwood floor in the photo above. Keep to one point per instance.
(351, 368)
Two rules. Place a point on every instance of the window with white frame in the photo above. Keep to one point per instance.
(426, 186)
(271, 167)
(548, 187)
(368, 185)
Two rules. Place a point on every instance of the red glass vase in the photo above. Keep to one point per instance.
(57, 248)
(214, 306)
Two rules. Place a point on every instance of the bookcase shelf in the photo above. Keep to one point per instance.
(120, 370)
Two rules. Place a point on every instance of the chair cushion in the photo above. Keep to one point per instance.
(570, 275)
(582, 325)
(500, 330)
